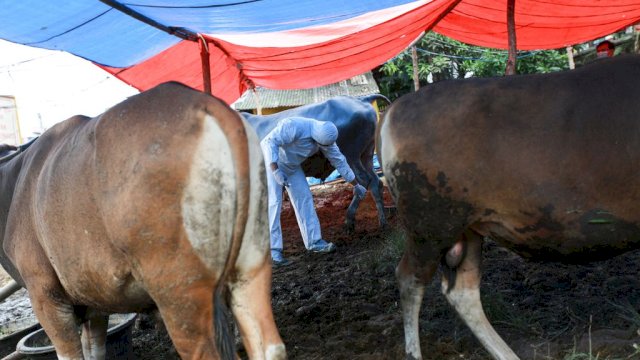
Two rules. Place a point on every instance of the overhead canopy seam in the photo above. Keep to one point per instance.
(176, 31)
(181, 33)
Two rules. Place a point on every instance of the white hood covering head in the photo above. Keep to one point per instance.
(324, 133)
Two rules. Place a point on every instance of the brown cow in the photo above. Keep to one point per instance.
(546, 165)
(160, 201)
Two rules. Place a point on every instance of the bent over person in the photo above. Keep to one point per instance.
(291, 142)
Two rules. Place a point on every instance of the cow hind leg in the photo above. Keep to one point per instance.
(251, 305)
(412, 276)
(58, 320)
(375, 186)
(94, 337)
(463, 292)
(49, 301)
(190, 326)
(186, 307)
(350, 219)
(363, 178)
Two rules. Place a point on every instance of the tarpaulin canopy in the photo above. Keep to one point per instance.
(287, 44)
(540, 24)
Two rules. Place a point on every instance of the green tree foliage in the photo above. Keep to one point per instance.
(493, 64)
(445, 58)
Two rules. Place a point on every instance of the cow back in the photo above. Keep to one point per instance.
(545, 164)
(118, 190)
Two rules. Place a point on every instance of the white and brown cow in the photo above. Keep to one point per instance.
(546, 165)
(158, 202)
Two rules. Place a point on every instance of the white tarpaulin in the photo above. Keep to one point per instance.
(9, 130)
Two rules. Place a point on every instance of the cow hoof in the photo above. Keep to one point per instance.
(390, 211)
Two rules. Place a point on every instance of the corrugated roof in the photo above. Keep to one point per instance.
(359, 85)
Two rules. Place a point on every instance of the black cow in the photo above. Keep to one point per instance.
(546, 165)
(6, 149)
(356, 121)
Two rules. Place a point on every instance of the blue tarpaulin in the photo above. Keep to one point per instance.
(286, 44)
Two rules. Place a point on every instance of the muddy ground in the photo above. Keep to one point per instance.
(345, 305)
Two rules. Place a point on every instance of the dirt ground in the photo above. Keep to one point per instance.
(345, 305)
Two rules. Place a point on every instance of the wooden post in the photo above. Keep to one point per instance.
(414, 60)
(511, 31)
(414, 52)
(636, 44)
(206, 64)
(572, 63)
(11, 287)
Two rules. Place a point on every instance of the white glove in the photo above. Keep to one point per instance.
(359, 191)
(280, 177)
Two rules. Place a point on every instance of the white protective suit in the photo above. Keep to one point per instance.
(288, 145)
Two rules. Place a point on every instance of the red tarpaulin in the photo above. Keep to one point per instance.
(290, 44)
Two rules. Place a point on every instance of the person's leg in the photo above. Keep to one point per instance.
(302, 202)
(275, 206)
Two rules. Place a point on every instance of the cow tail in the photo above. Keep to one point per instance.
(234, 129)
(225, 341)
(372, 97)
